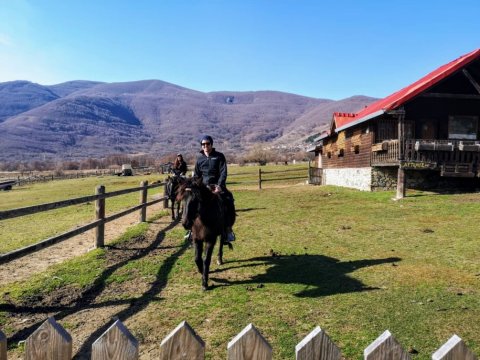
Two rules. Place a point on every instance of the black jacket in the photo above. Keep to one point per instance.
(181, 168)
(213, 168)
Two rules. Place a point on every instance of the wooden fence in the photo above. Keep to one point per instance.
(52, 341)
(98, 223)
(298, 173)
(31, 178)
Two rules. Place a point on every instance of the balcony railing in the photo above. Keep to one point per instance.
(442, 151)
(385, 153)
(437, 154)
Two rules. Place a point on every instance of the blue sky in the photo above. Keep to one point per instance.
(323, 49)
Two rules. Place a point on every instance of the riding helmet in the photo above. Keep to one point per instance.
(206, 138)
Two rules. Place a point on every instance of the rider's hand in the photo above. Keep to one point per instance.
(217, 189)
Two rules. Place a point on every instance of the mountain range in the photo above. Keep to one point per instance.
(81, 119)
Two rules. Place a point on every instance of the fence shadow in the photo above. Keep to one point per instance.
(250, 209)
(86, 300)
(321, 275)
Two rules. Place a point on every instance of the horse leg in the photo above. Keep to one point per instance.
(220, 250)
(172, 208)
(198, 256)
(206, 264)
(178, 209)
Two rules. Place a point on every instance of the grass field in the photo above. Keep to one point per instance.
(353, 263)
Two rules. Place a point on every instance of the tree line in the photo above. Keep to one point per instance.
(257, 155)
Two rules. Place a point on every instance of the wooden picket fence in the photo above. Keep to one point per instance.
(52, 341)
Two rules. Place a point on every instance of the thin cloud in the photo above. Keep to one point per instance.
(5, 40)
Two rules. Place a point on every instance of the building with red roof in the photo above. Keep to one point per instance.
(419, 136)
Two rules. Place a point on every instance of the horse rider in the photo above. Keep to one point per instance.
(179, 166)
(211, 166)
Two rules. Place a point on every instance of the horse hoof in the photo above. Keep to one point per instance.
(205, 287)
(219, 262)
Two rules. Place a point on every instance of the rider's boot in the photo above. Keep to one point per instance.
(230, 235)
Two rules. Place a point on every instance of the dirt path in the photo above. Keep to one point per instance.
(90, 311)
(22, 268)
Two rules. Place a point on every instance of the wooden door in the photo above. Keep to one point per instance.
(428, 129)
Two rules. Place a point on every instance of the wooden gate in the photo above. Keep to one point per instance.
(315, 175)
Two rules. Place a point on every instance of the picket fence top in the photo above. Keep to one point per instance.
(51, 340)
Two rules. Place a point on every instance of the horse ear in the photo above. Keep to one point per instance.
(199, 181)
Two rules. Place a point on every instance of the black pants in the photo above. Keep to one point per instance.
(229, 206)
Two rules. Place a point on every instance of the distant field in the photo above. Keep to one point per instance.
(353, 263)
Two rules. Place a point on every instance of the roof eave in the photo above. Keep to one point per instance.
(361, 120)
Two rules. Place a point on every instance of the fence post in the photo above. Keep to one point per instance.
(100, 215)
(49, 341)
(309, 172)
(182, 343)
(249, 344)
(143, 201)
(454, 348)
(115, 343)
(317, 345)
(259, 179)
(385, 347)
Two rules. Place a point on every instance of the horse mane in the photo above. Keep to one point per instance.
(211, 202)
(198, 188)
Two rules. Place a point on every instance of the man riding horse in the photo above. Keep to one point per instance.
(211, 166)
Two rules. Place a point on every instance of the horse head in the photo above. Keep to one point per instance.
(189, 193)
(198, 200)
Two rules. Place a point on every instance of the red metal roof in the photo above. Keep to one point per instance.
(400, 97)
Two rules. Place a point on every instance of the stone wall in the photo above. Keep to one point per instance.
(384, 178)
(357, 178)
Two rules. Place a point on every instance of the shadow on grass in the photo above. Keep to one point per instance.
(320, 275)
(249, 209)
(86, 300)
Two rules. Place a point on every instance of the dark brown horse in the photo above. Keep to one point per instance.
(172, 184)
(204, 214)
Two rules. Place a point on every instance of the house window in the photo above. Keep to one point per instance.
(463, 127)
(356, 149)
(341, 152)
(329, 154)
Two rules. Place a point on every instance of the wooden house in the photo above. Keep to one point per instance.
(422, 136)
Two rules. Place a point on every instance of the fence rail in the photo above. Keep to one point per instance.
(302, 175)
(34, 178)
(98, 223)
(52, 341)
